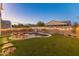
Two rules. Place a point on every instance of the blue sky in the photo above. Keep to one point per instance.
(33, 12)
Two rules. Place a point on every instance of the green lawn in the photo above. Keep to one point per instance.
(55, 45)
(0, 44)
(0, 40)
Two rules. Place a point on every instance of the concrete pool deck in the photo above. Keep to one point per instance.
(27, 36)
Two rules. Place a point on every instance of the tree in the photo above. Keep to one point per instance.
(20, 25)
(40, 23)
(14, 25)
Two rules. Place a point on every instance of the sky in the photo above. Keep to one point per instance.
(26, 13)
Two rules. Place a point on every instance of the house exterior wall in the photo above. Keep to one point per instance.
(4, 26)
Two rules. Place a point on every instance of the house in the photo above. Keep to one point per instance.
(5, 27)
(58, 23)
(5, 24)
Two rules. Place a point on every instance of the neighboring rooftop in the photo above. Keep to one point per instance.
(58, 23)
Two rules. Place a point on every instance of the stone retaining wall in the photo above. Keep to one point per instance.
(77, 32)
